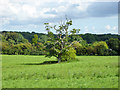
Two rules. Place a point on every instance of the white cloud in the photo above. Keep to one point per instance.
(86, 28)
(4, 22)
(111, 29)
(17, 12)
(108, 27)
(115, 28)
(29, 9)
(24, 9)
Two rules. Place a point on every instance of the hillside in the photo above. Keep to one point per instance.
(90, 38)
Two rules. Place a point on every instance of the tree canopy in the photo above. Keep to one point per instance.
(60, 46)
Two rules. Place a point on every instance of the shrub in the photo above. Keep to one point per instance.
(100, 47)
(113, 43)
(82, 50)
(90, 50)
(69, 54)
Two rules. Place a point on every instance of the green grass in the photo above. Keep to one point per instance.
(88, 72)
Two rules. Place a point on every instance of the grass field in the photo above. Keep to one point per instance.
(88, 72)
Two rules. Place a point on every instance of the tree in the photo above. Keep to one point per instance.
(76, 45)
(5, 48)
(35, 39)
(82, 50)
(59, 46)
(43, 38)
(69, 54)
(90, 38)
(90, 50)
(13, 38)
(10, 41)
(100, 47)
(75, 38)
(113, 44)
(22, 49)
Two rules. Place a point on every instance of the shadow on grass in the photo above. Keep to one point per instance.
(44, 63)
(49, 62)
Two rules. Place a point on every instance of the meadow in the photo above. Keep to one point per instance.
(24, 71)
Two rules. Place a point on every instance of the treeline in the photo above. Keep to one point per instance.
(89, 38)
(13, 43)
(25, 43)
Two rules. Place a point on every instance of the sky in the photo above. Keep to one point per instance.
(90, 16)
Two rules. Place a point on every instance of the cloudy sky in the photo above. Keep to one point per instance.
(91, 16)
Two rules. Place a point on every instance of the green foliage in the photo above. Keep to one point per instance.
(59, 46)
(82, 50)
(0, 47)
(90, 38)
(43, 38)
(50, 48)
(75, 38)
(100, 47)
(86, 37)
(90, 50)
(42, 47)
(50, 36)
(113, 44)
(68, 54)
(10, 41)
(5, 47)
(22, 49)
(13, 37)
(74, 31)
(38, 49)
(35, 39)
(20, 46)
(76, 44)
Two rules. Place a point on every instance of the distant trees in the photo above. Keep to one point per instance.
(13, 43)
(86, 37)
(22, 49)
(82, 50)
(113, 43)
(5, 48)
(43, 38)
(16, 44)
(35, 39)
(90, 50)
(100, 48)
(90, 38)
(97, 48)
(13, 37)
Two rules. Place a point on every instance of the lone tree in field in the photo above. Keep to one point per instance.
(58, 45)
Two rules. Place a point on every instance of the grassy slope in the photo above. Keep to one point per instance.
(88, 72)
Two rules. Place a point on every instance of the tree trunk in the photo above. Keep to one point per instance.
(59, 58)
